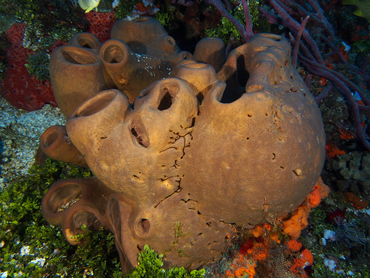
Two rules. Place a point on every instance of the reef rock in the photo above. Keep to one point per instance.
(195, 155)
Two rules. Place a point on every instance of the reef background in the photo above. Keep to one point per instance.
(31, 30)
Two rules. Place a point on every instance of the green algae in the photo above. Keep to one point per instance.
(226, 30)
(38, 65)
(124, 8)
(30, 247)
(150, 264)
(24, 228)
(46, 22)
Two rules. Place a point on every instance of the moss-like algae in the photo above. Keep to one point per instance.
(22, 226)
(33, 248)
(38, 65)
(124, 8)
(226, 30)
(46, 21)
(352, 173)
(150, 264)
(340, 249)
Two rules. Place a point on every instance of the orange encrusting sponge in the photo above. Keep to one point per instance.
(264, 238)
(298, 220)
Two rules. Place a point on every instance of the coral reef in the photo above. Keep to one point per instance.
(266, 250)
(176, 127)
(334, 230)
(350, 172)
(351, 80)
(18, 87)
(188, 24)
(228, 29)
(20, 133)
(32, 247)
(350, 233)
(340, 79)
(124, 8)
(46, 23)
